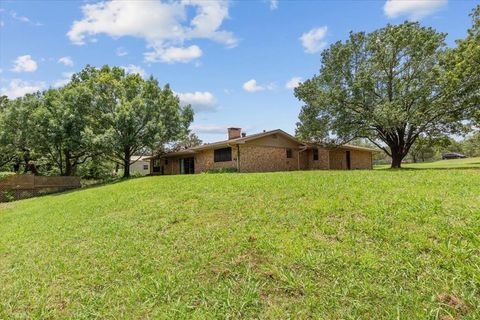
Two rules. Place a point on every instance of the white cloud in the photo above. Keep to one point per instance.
(19, 18)
(67, 76)
(24, 19)
(273, 4)
(293, 83)
(172, 54)
(131, 68)
(209, 129)
(165, 26)
(252, 86)
(67, 61)
(313, 41)
(121, 52)
(18, 88)
(414, 9)
(200, 101)
(25, 63)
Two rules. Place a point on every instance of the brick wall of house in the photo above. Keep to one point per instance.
(361, 159)
(358, 159)
(273, 157)
(204, 161)
(337, 159)
(322, 162)
(170, 166)
(264, 159)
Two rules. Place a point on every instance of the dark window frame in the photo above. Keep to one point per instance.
(222, 154)
(145, 167)
(315, 154)
(289, 153)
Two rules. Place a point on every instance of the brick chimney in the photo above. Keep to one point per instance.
(234, 133)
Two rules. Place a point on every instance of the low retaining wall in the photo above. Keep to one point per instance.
(18, 187)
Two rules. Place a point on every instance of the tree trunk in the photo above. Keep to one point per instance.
(26, 160)
(68, 164)
(397, 158)
(126, 163)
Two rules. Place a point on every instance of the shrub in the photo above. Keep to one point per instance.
(222, 170)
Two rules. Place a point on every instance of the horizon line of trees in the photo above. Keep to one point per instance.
(102, 117)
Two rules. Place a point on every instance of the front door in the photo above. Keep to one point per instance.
(349, 161)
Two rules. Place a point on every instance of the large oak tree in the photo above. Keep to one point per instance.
(387, 86)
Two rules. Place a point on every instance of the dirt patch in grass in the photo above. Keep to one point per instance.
(453, 302)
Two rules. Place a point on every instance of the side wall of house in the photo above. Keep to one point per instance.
(358, 159)
(323, 159)
(361, 159)
(204, 161)
(255, 158)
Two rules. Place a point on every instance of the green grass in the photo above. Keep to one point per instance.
(468, 163)
(382, 244)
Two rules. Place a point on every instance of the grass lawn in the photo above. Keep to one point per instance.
(468, 163)
(382, 244)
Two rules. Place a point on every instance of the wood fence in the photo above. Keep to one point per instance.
(16, 187)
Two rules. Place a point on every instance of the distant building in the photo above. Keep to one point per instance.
(140, 165)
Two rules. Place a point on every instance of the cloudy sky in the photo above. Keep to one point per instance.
(235, 62)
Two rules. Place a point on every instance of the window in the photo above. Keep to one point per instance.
(289, 153)
(315, 154)
(145, 167)
(221, 155)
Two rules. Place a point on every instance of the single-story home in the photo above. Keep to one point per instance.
(267, 151)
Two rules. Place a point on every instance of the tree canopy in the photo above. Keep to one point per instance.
(102, 113)
(389, 86)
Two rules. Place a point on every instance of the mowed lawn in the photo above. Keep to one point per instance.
(381, 244)
(467, 163)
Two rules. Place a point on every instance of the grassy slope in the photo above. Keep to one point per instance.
(360, 244)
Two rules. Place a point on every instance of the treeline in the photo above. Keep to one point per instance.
(98, 120)
(428, 149)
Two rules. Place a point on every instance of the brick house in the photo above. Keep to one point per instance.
(273, 150)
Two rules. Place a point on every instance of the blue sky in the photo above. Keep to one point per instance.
(236, 62)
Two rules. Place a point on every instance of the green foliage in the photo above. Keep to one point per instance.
(388, 86)
(463, 69)
(17, 137)
(101, 114)
(189, 141)
(137, 114)
(222, 170)
(308, 245)
(4, 175)
(471, 145)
